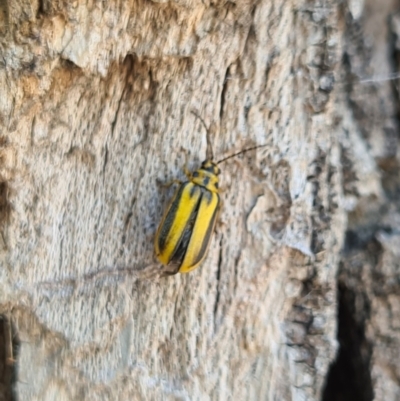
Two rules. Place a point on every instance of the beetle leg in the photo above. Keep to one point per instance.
(221, 205)
(185, 168)
(168, 273)
(168, 184)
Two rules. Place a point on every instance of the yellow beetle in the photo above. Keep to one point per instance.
(185, 231)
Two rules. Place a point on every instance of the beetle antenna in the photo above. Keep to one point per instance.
(209, 151)
(239, 153)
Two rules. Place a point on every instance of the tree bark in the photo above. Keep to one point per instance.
(367, 366)
(96, 108)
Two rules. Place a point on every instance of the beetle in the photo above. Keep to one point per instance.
(185, 231)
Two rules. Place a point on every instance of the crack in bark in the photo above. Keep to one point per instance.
(223, 92)
(349, 377)
(218, 277)
(9, 344)
(41, 9)
(126, 222)
(114, 122)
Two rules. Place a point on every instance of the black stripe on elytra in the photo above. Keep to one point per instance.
(207, 195)
(170, 217)
(210, 228)
(180, 252)
(181, 248)
(194, 190)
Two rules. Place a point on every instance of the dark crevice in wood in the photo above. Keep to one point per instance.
(4, 203)
(349, 377)
(217, 296)
(223, 92)
(41, 9)
(127, 222)
(105, 161)
(9, 345)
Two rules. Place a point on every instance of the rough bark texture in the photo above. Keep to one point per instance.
(95, 107)
(368, 363)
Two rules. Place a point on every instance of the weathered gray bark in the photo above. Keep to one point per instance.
(368, 364)
(96, 107)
